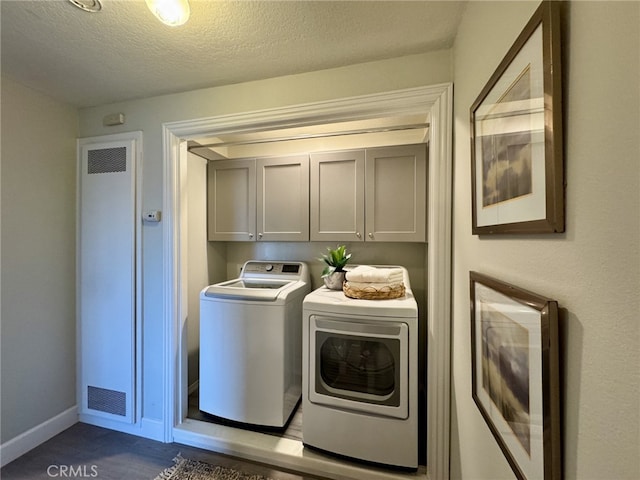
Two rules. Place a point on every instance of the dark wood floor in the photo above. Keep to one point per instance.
(108, 455)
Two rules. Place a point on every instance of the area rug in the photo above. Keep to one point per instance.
(185, 469)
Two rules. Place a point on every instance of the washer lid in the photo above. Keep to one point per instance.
(258, 289)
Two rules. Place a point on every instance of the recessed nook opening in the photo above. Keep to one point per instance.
(427, 110)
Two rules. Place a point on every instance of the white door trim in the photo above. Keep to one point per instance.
(436, 100)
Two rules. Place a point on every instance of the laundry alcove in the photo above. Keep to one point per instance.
(435, 103)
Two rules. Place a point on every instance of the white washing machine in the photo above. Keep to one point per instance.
(251, 343)
(360, 376)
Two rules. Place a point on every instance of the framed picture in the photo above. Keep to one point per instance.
(514, 359)
(516, 136)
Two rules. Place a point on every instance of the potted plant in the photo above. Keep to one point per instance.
(333, 273)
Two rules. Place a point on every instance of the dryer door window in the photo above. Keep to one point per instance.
(359, 365)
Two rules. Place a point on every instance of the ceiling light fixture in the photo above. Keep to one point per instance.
(170, 12)
(92, 6)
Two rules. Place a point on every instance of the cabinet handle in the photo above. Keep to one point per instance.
(358, 235)
(251, 235)
(370, 235)
(259, 235)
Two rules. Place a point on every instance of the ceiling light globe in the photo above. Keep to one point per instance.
(170, 12)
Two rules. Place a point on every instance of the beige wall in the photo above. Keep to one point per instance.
(38, 258)
(593, 269)
(197, 268)
(413, 256)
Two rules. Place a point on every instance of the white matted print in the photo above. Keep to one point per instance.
(514, 383)
(509, 143)
(516, 136)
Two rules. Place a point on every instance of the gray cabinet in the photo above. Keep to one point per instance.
(337, 196)
(231, 199)
(264, 199)
(396, 194)
(283, 198)
(373, 195)
(377, 194)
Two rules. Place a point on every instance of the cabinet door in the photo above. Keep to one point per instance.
(337, 196)
(396, 193)
(232, 200)
(283, 198)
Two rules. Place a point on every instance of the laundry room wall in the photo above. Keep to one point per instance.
(149, 114)
(413, 256)
(197, 274)
(592, 269)
(38, 339)
(206, 261)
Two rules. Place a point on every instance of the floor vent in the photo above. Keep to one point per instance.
(108, 401)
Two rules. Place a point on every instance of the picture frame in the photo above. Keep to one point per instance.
(517, 166)
(515, 378)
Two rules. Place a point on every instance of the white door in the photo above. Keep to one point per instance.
(106, 289)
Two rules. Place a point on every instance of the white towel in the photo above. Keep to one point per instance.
(368, 274)
(374, 285)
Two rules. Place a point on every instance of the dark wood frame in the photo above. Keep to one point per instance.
(548, 14)
(549, 369)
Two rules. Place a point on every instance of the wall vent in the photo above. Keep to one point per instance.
(107, 160)
(108, 401)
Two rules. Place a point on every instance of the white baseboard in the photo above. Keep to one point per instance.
(18, 446)
(147, 428)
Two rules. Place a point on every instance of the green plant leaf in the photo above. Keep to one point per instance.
(335, 259)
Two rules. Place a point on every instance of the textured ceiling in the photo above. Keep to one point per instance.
(123, 52)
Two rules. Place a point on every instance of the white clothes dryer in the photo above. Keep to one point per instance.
(360, 376)
(251, 343)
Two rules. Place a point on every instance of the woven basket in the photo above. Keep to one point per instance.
(385, 292)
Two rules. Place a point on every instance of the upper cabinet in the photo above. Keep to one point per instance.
(396, 194)
(377, 195)
(373, 195)
(265, 199)
(231, 202)
(337, 196)
(283, 198)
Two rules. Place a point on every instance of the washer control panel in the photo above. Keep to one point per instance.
(272, 268)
